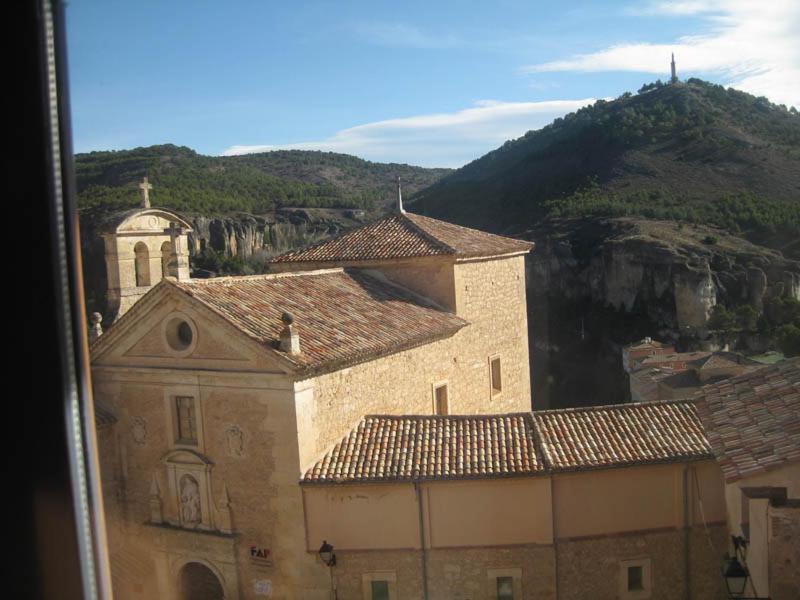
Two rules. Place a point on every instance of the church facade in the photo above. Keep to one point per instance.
(372, 394)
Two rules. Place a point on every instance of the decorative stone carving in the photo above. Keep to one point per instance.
(190, 501)
(235, 438)
(225, 511)
(139, 430)
(156, 512)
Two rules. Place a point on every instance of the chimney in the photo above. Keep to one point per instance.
(290, 339)
(96, 330)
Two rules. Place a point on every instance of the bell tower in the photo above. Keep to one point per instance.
(142, 246)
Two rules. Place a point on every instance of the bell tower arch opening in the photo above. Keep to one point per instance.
(141, 264)
(166, 252)
(198, 582)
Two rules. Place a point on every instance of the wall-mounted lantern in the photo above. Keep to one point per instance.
(327, 554)
(735, 577)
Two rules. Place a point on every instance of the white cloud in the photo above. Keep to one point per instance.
(404, 36)
(436, 140)
(752, 46)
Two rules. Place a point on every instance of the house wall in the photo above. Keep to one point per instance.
(577, 529)
(784, 552)
(490, 294)
(754, 513)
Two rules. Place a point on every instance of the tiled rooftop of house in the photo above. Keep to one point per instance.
(620, 435)
(405, 235)
(690, 358)
(342, 317)
(753, 421)
(410, 448)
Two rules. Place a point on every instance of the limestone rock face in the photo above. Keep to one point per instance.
(245, 235)
(668, 271)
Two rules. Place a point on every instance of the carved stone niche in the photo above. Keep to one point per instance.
(189, 503)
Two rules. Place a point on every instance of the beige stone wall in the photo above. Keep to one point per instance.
(491, 296)
(485, 513)
(494, 512)
(637, 498)
(787, 476)
(452, 573)
(784, 552)
(594, 567)
(260, 474)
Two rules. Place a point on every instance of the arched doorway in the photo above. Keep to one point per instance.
(198, 582)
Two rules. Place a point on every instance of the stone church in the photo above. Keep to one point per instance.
(371, 397)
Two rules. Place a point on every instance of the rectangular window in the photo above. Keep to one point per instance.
(504, 584)
(380, 590)
(505, 588)
(440, 400)
(185, 420)
(497, 380)
(635, 580)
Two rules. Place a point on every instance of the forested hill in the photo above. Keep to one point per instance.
(255, 183)
(693, 151)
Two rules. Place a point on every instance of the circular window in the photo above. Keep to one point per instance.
(180, 333)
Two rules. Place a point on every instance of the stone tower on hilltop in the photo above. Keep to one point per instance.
(674, 78)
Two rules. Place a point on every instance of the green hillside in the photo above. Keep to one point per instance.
(189, 182)
(693, 151)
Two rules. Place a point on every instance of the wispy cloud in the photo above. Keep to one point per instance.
(752, 46)
(436, 140)
(402, 35)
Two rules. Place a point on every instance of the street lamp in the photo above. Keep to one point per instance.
(735, 577)
(326, 554)
(735, 572)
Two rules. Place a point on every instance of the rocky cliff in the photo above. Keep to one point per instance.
(597, 284)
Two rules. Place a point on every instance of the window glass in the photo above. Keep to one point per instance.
(380, 590)
(635, 580)
(497, 383)
(442, 407)
(505, 588)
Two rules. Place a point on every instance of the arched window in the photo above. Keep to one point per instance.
(142, 265)
(166, 252)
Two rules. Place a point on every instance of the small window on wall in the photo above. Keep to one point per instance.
(495, 375)
(380, 590)
(185, 420)
(505, 588)
(504, 584)
(441, 403)
(635, 579)
(380, 585)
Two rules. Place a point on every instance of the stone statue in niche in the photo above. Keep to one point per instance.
(235, 437)
(139, 430)
(190, 501)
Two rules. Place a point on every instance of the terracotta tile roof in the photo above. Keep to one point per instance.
(753, 421)
(690, 358)
(405, 236)
(342, 317)
(411, 448)
(619, 435)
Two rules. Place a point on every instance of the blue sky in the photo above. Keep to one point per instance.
(434, 83)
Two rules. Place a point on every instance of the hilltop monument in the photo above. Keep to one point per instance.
(674, 78)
